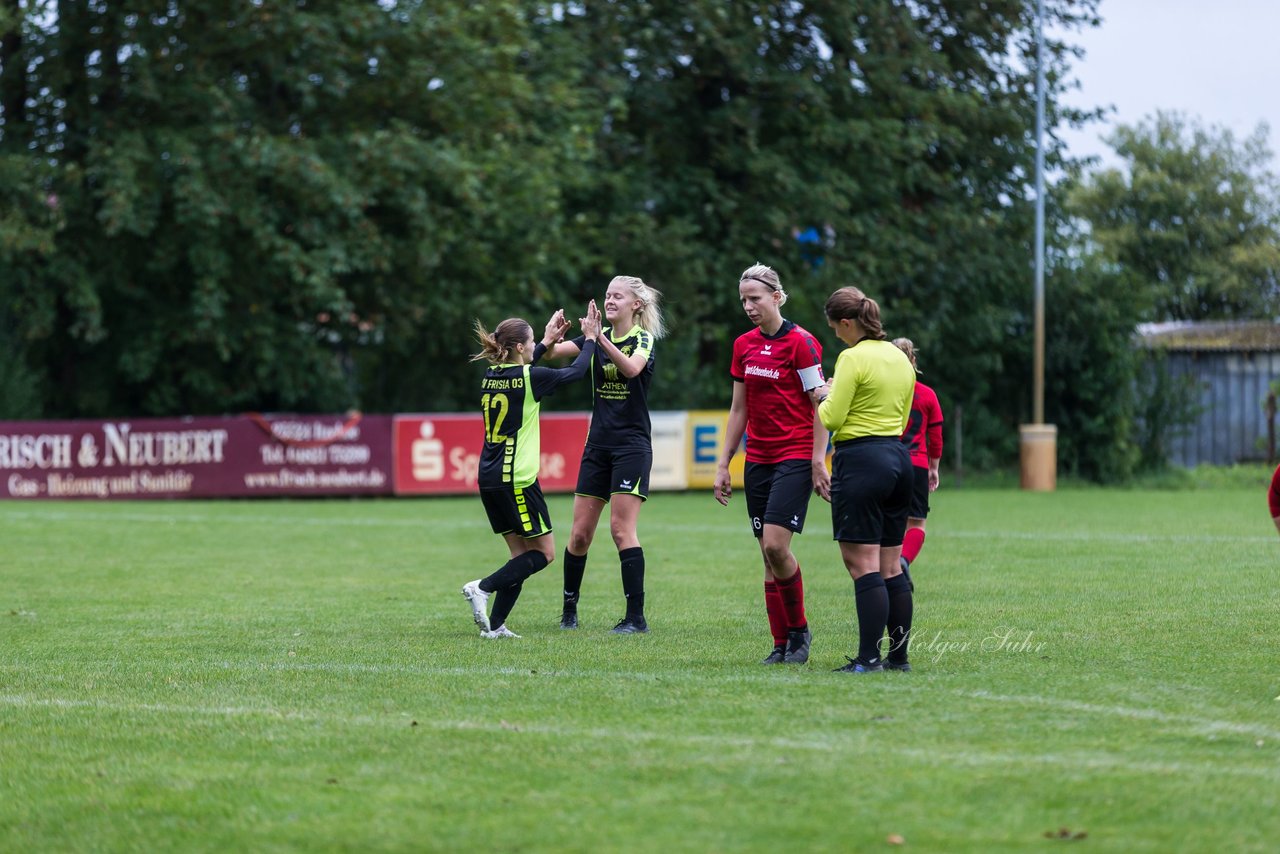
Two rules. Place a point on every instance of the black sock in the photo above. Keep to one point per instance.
(514, 571)
(575, 566)
(503, 601)
(633, 580)
(872, 603)
(900, 608)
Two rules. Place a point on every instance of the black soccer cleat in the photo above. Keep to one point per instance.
(775, 657)
(569, 619)
(631, 626)
(900, 666)
(798, 646)
(857, 665)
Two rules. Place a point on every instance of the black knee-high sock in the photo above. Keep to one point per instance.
(633, 580)
(514, 571)
(900, 608)
(503, 601)
(872, 603)
(575, 566)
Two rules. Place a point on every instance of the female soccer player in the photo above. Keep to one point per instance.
(1273, 498)
(773, 366)
(866, 406)
(510, 399)
(619, 451)
(923, 437)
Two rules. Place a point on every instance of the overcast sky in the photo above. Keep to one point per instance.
(1215, 59)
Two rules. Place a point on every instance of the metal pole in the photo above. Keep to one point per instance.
(1038, 358)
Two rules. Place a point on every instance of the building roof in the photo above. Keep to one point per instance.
(1234, 336)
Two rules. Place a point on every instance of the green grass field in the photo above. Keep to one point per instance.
(277, 676)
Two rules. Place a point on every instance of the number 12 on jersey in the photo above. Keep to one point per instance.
(495, 408)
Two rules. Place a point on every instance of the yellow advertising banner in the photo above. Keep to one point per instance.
(705, 441)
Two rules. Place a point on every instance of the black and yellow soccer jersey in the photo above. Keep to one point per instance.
(510, 399)
(620, 406)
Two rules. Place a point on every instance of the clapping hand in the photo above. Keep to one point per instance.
(557, 326)
(591, 323)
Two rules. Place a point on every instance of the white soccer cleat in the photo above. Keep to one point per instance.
(479, 603)
(500, 632)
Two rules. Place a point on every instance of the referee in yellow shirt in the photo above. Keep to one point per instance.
(866, 406)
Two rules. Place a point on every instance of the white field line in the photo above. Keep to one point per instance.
(65, 516)
(1205, 725)
(265, 519)
(1092, 537)
(1195, 723)
(866, 740)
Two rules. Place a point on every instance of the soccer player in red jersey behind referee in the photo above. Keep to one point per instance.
(773, 367)
(923, 438)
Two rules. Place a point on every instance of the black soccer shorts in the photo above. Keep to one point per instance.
(606, 472)
(517, 510)
(778, 494)
(871, 481)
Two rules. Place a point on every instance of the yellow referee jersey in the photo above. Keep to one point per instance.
(870, 392)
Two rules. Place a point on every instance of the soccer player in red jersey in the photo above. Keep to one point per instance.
(773, 367)
(1273, 498)
(923, 437)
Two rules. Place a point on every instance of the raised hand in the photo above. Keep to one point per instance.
(591, 323)
(557, 326)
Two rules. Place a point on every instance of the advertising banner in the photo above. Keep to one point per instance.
(440, 454)
(670, 459)
(197, 457)
(706, 438)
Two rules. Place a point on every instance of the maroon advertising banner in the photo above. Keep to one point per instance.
(232, 456)
(440, 454)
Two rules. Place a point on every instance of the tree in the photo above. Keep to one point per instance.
(303, 205)
(901, 131)
(1092, 371)
(274, 206)
(1191, 220)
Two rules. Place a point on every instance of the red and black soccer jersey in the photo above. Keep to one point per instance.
(620, 405)
(779, 412)
(923, 436)
(1273, 495)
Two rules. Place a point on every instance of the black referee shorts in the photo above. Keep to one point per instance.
(517, 510)
(919, 493)
(778, 494)
(871, 482)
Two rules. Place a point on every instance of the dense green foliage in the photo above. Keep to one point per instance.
(1191, 222)
(303, 206)
(1187, 229)
(303, 676)
(224, 206)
